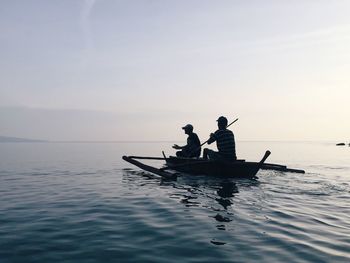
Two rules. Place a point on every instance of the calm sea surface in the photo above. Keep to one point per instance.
(80, 202)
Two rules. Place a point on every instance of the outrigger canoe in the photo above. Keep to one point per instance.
(199, 166)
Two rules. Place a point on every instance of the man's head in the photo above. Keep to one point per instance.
(188, 128)
(222, 122)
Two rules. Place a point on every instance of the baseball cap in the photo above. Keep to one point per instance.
(188, 127)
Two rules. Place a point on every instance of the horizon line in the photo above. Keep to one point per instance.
(151, 141)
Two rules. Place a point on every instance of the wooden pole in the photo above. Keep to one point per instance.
(150, 169)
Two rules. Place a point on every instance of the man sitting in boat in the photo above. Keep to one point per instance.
(193, 146)
(225, 142)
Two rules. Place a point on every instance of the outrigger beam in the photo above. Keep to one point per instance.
(151, 169)
(265, 166)
(282, 169)
(146, 157)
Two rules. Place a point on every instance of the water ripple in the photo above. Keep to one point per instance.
(68, 210)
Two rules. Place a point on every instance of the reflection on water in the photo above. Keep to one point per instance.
(225, 192)
(196, 191)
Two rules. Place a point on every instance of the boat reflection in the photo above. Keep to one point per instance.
(225, 193)
(214, 194)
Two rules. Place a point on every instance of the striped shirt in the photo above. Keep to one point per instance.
(225, 142)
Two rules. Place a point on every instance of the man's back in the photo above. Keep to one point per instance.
(225, 142)
(193, 146)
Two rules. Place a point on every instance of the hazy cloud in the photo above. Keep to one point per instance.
(85, 14)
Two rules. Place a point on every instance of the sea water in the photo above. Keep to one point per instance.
(80, 202)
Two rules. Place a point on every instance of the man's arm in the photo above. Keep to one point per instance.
(177, 147)
(212, 138)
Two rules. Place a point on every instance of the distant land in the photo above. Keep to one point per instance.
(16, 139)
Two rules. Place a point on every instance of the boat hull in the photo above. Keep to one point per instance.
(239, 169)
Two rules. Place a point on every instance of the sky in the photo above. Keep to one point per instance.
(140, 70)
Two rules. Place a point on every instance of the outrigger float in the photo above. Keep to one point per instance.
(199, 166)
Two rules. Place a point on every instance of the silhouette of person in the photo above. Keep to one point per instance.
(193, 146)
(225, 142)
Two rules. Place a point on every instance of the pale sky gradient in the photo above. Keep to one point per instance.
(139, 70)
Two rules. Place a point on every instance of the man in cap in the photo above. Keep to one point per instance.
(225, 142)
(193, 146)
